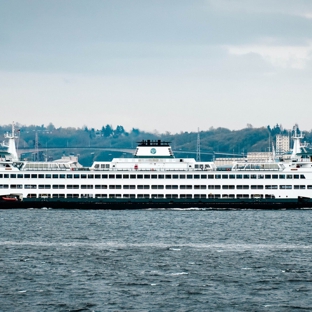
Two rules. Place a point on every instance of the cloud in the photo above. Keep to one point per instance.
(283, 7)
(307, 15)
(295, 57)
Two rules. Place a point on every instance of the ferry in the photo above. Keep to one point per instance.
(154, 178)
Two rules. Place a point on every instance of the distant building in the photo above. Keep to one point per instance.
(98, 133)
(282, 144)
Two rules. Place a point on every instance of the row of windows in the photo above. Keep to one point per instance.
(183, 196)
(153, 187)
(107, 166)
(151, 176)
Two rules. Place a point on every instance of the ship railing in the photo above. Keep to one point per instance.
(151, 170)
(55, 169)
(301, 160)
(46, 169)
(257, 167)
(238, 169)
(80, 169)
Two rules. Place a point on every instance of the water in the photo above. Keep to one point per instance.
(165, 260)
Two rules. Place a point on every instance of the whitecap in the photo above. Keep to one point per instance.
(179, 273)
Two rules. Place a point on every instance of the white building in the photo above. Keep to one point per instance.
(282, 144)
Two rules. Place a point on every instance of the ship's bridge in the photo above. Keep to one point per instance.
(153, 149)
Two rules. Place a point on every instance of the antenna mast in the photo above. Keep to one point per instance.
(37, 147)
(198, 146)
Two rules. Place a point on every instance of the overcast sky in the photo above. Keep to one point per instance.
(165, 65)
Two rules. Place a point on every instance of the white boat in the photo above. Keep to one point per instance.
(154, 178)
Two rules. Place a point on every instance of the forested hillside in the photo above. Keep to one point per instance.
(81, 140)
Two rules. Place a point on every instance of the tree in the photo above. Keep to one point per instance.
(108, 131)
(92, 133)
(135, 132)
(119, 131)
(50, 127)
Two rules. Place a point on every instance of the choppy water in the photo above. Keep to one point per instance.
(77, 260)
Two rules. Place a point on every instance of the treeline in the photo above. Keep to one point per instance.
(217, 140)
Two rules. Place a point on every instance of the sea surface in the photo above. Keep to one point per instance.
(155, 260)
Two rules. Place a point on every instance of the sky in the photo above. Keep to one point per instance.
(156, 65)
